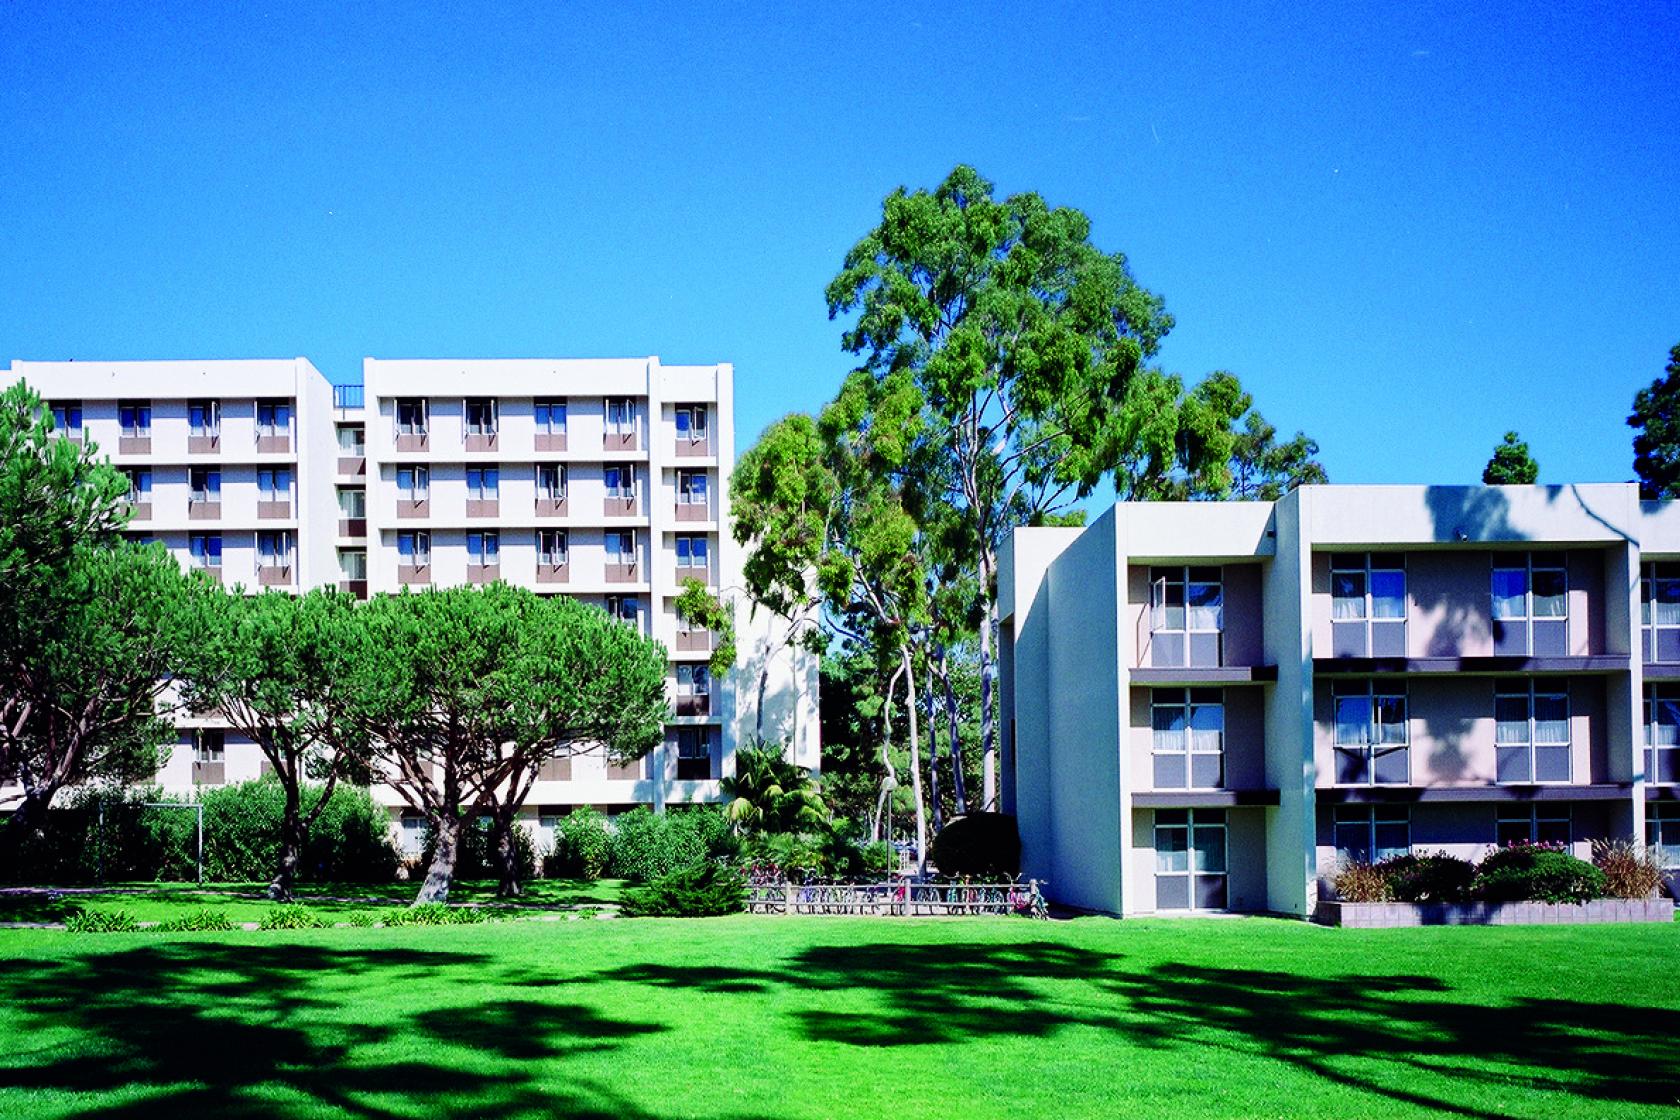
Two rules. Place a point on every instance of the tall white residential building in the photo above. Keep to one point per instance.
(602, 479)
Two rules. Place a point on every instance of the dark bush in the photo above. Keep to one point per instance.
(476, 858)
(1358, 881)
(1431, 877)
(1629, 870)
(979, 846)
(1525, 873)
(582, 846)
(101, 921)
(349, 842)
(106, 834)
(704, 891)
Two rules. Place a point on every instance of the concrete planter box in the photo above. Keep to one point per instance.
(1391, 915)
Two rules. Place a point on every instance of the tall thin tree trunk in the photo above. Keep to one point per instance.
(889, 783)
(988, 717)
(915, 760)
(291, 841)
(953, 721)
(929, 706)
(446, 832)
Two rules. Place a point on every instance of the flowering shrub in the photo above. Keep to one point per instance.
(1429, 877)
(1531, 872)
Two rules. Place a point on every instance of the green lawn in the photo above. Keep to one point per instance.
(787, 1017)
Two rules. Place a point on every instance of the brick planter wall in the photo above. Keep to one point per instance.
(1390, 915)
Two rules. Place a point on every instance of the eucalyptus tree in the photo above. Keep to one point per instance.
(283, 670)
(1028, 346)
(468, 691)
(1215, 418)
(1656, 442)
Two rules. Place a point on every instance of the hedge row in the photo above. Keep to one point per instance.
(1518, 873)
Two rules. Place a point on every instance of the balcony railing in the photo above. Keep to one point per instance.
(694, 705)
(347, 396)
(274, 509)
(483, 573)
(553, 573)
(551, 507)
(483, 507)
(275, 575)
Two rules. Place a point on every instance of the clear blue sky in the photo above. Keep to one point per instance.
(1406, 230)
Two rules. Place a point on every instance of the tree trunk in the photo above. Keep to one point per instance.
(507, 857)
(28, 821)
(988, 718)
(915, 761)
(930, 706)
(446, 829)
(953, 720)
(291, 844)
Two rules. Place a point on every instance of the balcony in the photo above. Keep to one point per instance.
(620, 441)
(134, 444)
(352, 526)
(633, 771)
(211, 572)
(414, 507)
(347, 396)
(694, 511)
(274, 510)
(694, 641)
(551, 507)
(551, 441)
(275, 575)
(139, 511)
(693, 448)
(203, 509)
(619, 572)
(204, 443)
(481, 441)
(694, 705)
(483, 507)
(554, 573)
(274, 443)
(356, 587)
(483, 573)
(209, 773)
(414, 574)
(352, 466)
(619, 505)
(555, 770)
(413, 441)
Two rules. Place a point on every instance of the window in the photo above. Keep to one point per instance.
(1371, 734)
(67, 417)
(1662, 830)
(691, 488)
(1186, 616)
(352, 440)
(1189, 737)
(352, 502)
(209, 744)
(274, 550)
(692, 552)
(139, 484)
(1659, 611)
(621, 547)
(694, 754)
(205, 549)
(204, 484)
(135, 419)
(626, 608)
(481, 416)
(483, 484)
(1541, 823)
(621, 416)
(1530, 605)
(694, 680)
(274, 485)
(551, 417)
(1662, 733)
(1190, 859)
(204, 418)
(414, 550)
(352, 564)
(1531, 733)
(1368, 604)
(620, 482)
(691, 423)
(553, 549)
(411, 416)
(551, 482)
(484, 549)
(274, 418)
(1372, 833)
(414, 484)
(413, 834)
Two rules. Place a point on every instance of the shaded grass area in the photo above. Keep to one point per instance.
(246, 902)
(788, 1017)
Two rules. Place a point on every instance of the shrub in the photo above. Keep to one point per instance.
(350, 841)
(794, 857)
(647, 846)
(704, 891)
(101, 921)
(582, 846)
(1435, 877)
(877, 859)
(1357, 881)
(363, 919)
(196, 921)
(979, 845)
(1517, 855)
(1536, 874)
(1629, 870)
(476, 858)
(292, 916)
(436, 914)
(99, 832)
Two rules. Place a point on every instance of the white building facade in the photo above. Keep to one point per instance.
(606, 480)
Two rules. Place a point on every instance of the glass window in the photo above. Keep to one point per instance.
(692, 552)
(625, 607)
(551, 481)
(352, 563)
(621, 547)
(1372, 833)
(414, 549)
(1531, 731)
(552, 547)
(481, 416)
(483, 484)
(551, 417)
(483, 548)
(205, 549)
(411, 416)
(1188, 738)
(691, 423)
(209, 744)
(139, 483)
(1662, 733)
(273, 418)
(693, 680)
(620, 482)
(1662, 830)
(204, 417)
(67, 417)
(135, 418)
(204, 484)
(352, 440)
(274, 550)
(1540, 823)
(1372, 738)
(691, 487)
(620, 416)
(1368, 604)
(352, 502)
(1530, 593)
(1190, 859)
(1659, 611)
(414, 484)
(274, 485)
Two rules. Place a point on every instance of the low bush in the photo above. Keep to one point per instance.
(101, 921)
(1533, 873)
(197, 921)
(980, 846)
(705, 891)
(1629, 870)
(1430, 877)
(1357, 881)
(436, 914)
(582, 846)
(363, 919)
(291, 917)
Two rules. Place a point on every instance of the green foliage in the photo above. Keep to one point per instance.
(980, 845)
(582, 846)
(1532, 872)
(705, 890)
(1430, 877)
(476, 856)
(436, 914)
(648, 846)
(1511, 464)
(197, 921)
(1656, 424)
(349, 839)
(363, 919)
(697, 605)
(135, 842)
(768, 793)
(101, 921)
(1630, 871)
(291, 916)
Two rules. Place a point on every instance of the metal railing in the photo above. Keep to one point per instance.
(902, 899)
(347, 396)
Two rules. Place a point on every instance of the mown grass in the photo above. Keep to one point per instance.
(788, 1018)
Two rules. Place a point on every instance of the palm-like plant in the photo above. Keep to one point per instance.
(771, 795)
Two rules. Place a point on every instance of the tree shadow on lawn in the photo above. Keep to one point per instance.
(1409, 1039)
(207, 1028)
